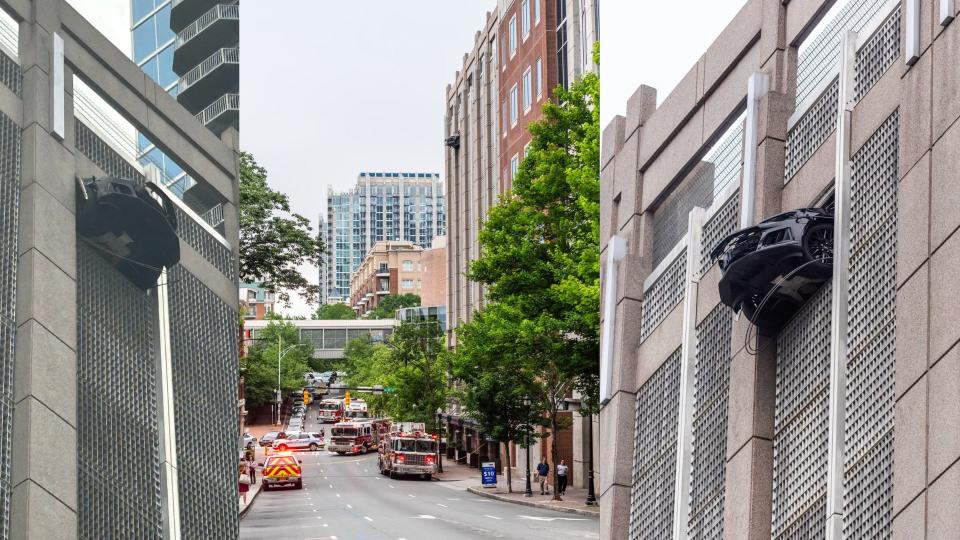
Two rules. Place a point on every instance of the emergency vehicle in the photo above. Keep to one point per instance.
(409, 452)
(357, 410)
(282, 468)
(331, 410)
(357, 437)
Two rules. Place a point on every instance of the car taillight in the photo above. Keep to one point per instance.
(401, 458)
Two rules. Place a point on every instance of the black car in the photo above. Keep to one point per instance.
(787, 257)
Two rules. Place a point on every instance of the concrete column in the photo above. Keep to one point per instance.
(44, 475)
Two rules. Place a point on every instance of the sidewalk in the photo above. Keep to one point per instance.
(468, 478)
(256, 431)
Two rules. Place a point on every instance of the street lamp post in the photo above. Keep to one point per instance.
(591, 496)
(280, 354)
(526, 402)
(439, 428)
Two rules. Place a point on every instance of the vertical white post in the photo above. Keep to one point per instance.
(947, 10)
(757, 87)
(616, 251)
(841, 264)
(168, 434)
(688, 353)
(57, 89)
(911, 46)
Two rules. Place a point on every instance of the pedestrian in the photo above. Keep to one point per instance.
(543, 470)
(252, 470)
(244, 482)
(562, 478)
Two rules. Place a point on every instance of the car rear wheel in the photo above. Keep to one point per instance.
(298, 485)
(313, 447)
(818, 247)
(341, 453)
(748, 306)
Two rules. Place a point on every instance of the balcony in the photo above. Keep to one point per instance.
(184, 12)
(382, 292)
(221, 114)
(218, 74)
(216, 28)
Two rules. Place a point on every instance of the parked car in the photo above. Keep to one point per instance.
(784, 259)
(269, 437)
(299, 440)
(249, 441)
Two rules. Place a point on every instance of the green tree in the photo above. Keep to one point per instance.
(540, 254)
(388, 306)
(274, 242)
(336, 312)
(259, 366)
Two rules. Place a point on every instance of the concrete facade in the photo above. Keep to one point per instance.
(85, 337)
(841, 425)
(434, 264)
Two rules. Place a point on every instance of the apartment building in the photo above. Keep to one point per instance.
(392, 268)
(842, 422)
(255, 301)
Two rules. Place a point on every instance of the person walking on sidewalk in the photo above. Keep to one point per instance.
(543, 470)
(244, 482)
(562, 478)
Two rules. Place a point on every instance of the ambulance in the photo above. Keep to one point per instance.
(281, 469)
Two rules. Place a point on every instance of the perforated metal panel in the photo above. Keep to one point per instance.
(655, 453)
(205, 244)
(118, 453)
(9, 212)
(663, 295)
(800, 421)
(818, 59)
(868, 441)
(811, 130)
(671, 219)
(10, 74)
(717, 227)
(205, 381)
(712, 375)
(101, 154)
(877, 54)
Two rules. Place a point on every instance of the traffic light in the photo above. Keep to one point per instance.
(346, 398)
(306, 397)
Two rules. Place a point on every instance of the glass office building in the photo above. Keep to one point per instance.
(382, 206)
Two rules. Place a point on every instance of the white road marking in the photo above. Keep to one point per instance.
(391, 486)
(449, 499)
(338, 495)
(443, 505)
(412, 496)
(331, 486)
(350, 506)
(324, 524)
(424, 516)
(367, 518)
(492, 517)
(537, 518)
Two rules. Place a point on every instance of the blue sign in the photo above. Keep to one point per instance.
(488, 472)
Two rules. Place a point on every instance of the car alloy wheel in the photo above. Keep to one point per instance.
(818, 244)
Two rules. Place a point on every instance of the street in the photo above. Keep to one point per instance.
(345, 497)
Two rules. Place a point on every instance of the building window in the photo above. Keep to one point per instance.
(536, 11)
(513, 106)
(251, 295)
(419, 284)
(407, 266)
(513, 35)
(407, 284)
(526, 150)
(525, 18)
(514, 165)
(539, 78)
(493, 52)
(527, 91)
(562, 44)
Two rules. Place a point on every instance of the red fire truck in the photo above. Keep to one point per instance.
(409, 452)
(357, 437)
(331, 410)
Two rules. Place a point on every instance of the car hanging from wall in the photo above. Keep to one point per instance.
(132, 224)
(770, 269)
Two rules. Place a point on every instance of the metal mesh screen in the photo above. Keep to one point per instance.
(671, 219)
(205, 244)
(820, 54)
(655, 453)
(100, 153)
(817, 123)
(712, 375)
(665, 293)
(204, 352)
(9, 225)
(10, 74)
(868, 434)
(877, 54)
(717, 227)
(118, 449)
(800, 421)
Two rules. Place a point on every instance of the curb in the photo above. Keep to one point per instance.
(249, 504)
(536, 504)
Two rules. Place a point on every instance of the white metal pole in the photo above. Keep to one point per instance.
(616, 251)
(757, 86)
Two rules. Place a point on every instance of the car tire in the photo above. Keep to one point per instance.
(748, 306)
(392, 475)
(298, 485)
(313, 447)
(266, 487)
(817, 245)
(341, 453)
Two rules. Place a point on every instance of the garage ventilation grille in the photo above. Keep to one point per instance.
(877, 54)
(9, 225)
(800, 421)
(708, 471)
(102, 155)
(868, 441)
(817, 123)
(655, 453)
(665, 293)
(118, 450)
(10, 74)
(205, 244)
(721, 224)
(204, 354)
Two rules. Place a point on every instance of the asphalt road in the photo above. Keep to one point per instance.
(345, 497)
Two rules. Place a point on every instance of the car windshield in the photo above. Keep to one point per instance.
(417, 445)
(329, 406)
(344, 432)
(270, 435)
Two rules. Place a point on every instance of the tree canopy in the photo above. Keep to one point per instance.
(388, 306)
(338, 312)
(259, 366)
(274, 242)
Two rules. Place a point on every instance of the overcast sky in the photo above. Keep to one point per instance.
(654, 43)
